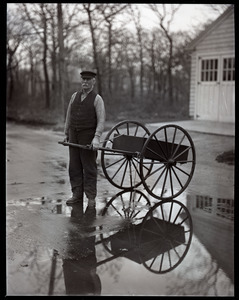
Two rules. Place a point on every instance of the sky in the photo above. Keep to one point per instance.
(187, 17)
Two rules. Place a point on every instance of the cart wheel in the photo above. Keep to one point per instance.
(125, 209)
(174, 158)
(165, 236)
(122, 169)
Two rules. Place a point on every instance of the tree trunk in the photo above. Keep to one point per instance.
(11, 79)
(44, 61)
(94, 45)
(54, 66)
(141, 68)
(32, 81)
(61, 60)
(110, 62)
(138, 26)
(170, 82)
(10, 67)
(132, 84)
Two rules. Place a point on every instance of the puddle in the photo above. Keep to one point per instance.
(127, 248)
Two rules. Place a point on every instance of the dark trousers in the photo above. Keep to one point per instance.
(82, 166)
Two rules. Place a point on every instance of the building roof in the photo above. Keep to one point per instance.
(202, 35)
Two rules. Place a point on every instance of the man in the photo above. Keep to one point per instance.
(84, 125)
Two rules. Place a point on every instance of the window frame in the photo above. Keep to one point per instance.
(209, 70)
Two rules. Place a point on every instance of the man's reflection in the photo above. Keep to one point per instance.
(80, 265)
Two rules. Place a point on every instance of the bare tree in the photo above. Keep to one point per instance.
(66, 43)
(11, 50)
(40, 11)
(14, 39)
(136, 15)
(220, 8)
(165, 20)
(44, 59)
(54, 41)
(110, 12)
(130, 59)
(33, 56)
(152, 76)
(61, 57)
(93, 24)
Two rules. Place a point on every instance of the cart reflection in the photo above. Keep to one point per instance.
(157, 237)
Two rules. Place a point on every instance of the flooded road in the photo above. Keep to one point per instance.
(140, 247)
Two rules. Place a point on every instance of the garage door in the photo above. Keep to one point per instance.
(215, 93)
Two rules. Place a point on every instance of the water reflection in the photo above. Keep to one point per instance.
(79, 267)
(214, 227)
(157, 237)
(131, 240)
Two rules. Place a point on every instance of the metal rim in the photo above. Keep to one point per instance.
(165, 236)
(174, 162)
(122, 170)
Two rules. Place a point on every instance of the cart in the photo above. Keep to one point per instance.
(163, 163)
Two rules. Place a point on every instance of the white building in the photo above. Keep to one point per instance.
(212, 87)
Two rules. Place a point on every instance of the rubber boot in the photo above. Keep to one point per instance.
(76, 197)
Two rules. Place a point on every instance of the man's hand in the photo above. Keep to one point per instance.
(95, 144)
(66, 139)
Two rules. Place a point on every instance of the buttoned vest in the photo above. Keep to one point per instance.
(83, 116)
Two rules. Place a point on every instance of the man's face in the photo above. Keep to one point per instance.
(87, 83)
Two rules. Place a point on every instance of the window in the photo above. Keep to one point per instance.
(209, 70)
(228, 69)
(220, 207)
(225, 208)
(204, 203)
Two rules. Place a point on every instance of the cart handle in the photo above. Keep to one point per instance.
(89, 147)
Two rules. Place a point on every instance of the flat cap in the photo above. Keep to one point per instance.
(88, 74)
